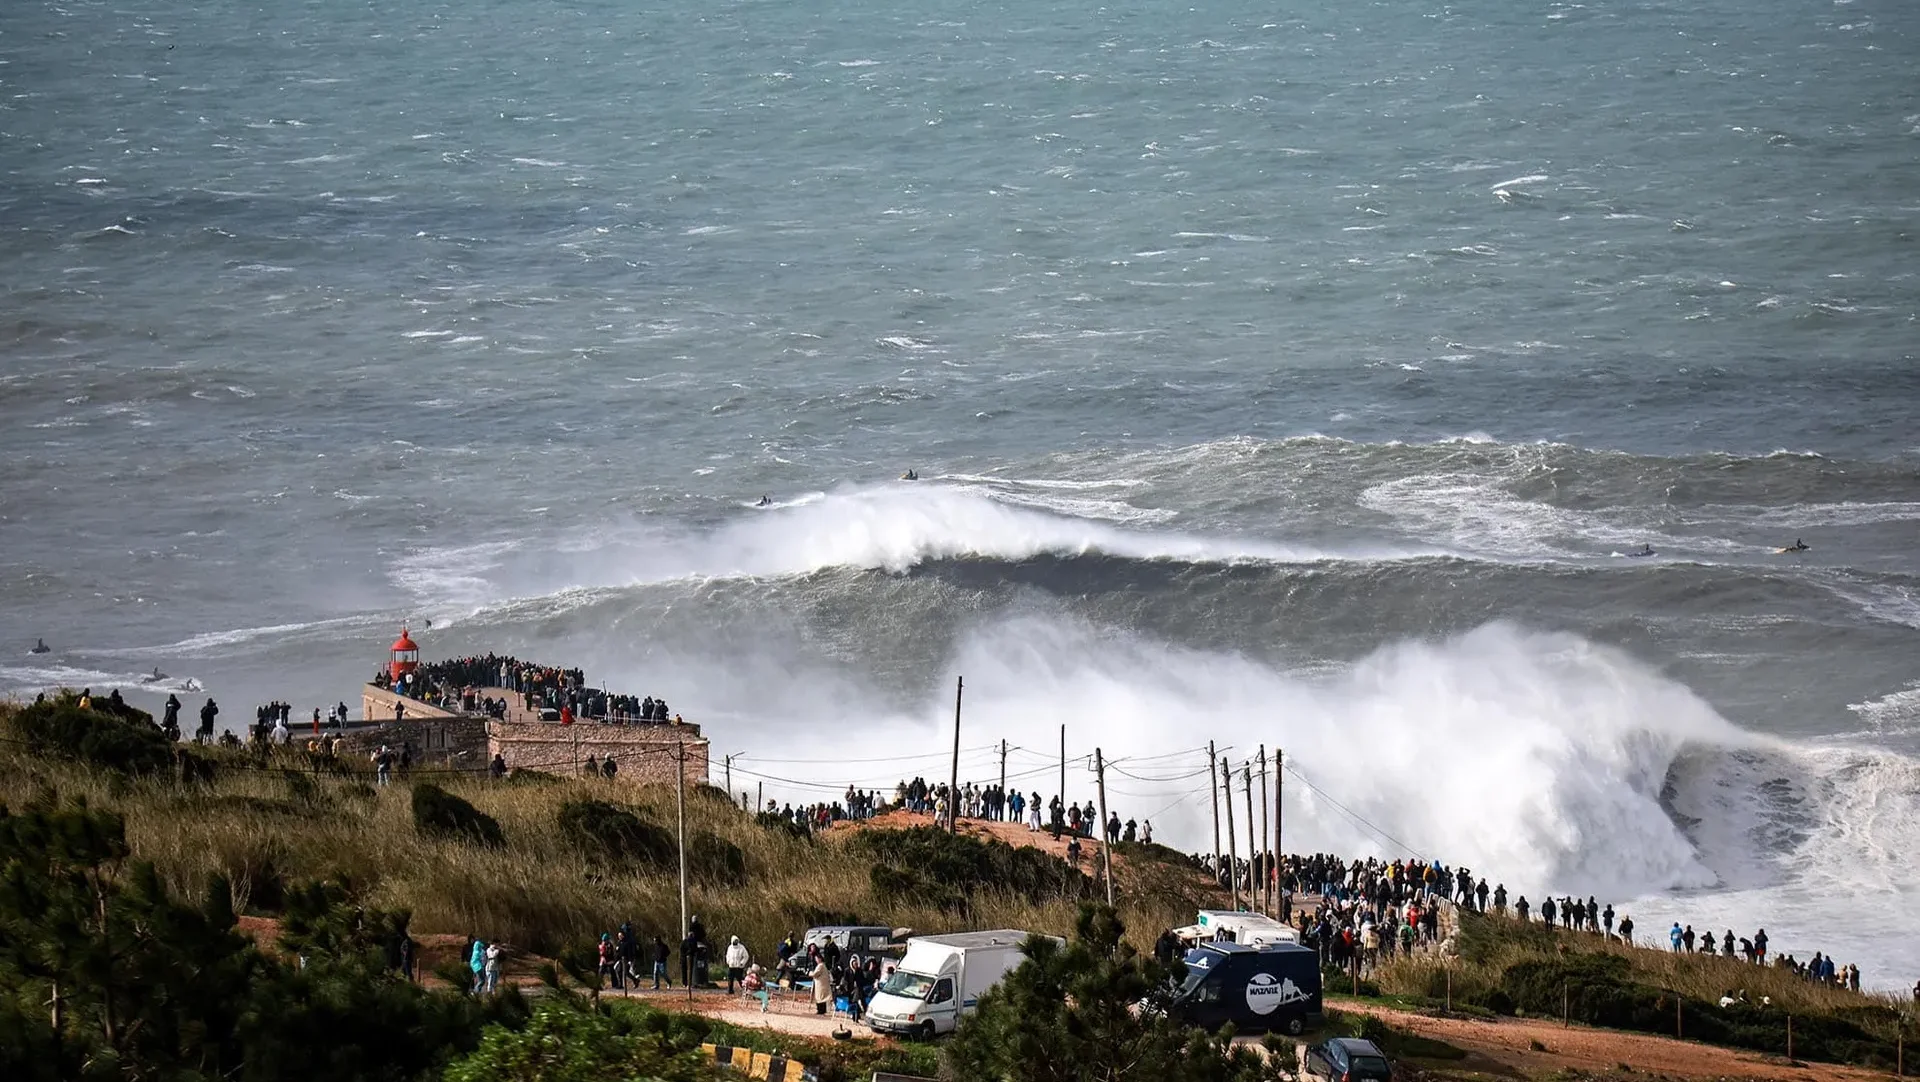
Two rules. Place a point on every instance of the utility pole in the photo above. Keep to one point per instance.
(728, 760)
(759, 796)
(953, 783)
(1279, 805)
(1253, 855)
(1106, 847)
(1213, 771)
(1063, 768)
(680, 809)
(1003, 776)
(1233, 856)
(1270, 858)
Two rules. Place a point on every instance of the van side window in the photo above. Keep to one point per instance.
(1209, 991)
(942, 992)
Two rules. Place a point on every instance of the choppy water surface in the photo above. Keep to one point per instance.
(1290, 377)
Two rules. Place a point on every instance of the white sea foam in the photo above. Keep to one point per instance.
(890, 527)
(31, 679)
(1540, 760)
(1894, 711)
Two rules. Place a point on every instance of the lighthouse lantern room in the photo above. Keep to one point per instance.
(406, 656)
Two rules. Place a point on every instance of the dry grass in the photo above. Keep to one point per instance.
(260, 827)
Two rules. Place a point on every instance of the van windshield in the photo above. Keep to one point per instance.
(907, 985)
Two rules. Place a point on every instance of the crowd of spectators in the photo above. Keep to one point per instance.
(548, 692)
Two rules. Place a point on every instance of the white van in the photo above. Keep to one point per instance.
(940, 979)
(1226, 925)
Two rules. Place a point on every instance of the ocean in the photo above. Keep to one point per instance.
(1293, 379)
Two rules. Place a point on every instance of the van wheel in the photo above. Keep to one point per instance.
(926, 1031)
(1294, 1026)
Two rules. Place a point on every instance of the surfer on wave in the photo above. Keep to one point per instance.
(1797, 546)
(765, 501)
(910, 475)
(40, 647)
(153, 677)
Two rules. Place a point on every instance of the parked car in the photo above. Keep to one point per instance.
(1348, 1059)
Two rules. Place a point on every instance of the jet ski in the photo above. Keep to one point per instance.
(1797, 546)
(765, 501)
(40, 647)
(910, 476)
(1642, 554)
(153, 677)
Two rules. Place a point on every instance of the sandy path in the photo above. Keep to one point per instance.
(1507, 1041)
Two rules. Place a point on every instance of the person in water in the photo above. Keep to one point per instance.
(765, 501)
(1647, 551)
(910, 475)
(40, 646)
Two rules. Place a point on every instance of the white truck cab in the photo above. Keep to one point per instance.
(941, 979)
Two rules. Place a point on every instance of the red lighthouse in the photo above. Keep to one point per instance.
(406, 656)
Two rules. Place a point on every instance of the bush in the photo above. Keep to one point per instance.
(438, 813)
(933, 865)
(715, 861)
(121, 743)
(602, 830)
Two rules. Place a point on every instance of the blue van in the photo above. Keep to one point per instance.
(1274, 987)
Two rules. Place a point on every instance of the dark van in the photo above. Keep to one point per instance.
(1275, 987)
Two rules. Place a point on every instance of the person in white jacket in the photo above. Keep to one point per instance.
(738, 958)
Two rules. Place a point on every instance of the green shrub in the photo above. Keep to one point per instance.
(715, 861)
(602, 830)
(438, 813)
(929, 863)
(121, 743)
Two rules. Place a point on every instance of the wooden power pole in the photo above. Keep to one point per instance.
(1269, 857)
(1003, 777)
(1106, 847)
(1233, 855)
(680, 808)
(1253, 855)
(1213, 771)
(953, 782)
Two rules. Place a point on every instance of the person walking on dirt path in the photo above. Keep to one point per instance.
(661, 953)
(689, 948)
(493, 968)
(477, 963)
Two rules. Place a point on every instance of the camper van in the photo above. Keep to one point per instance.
(1255, 988)
(941, 979)
(859, 939)
(1228, 926)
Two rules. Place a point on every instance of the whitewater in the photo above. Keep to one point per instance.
(1276, 379)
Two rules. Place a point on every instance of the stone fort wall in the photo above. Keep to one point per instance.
(645, 754)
